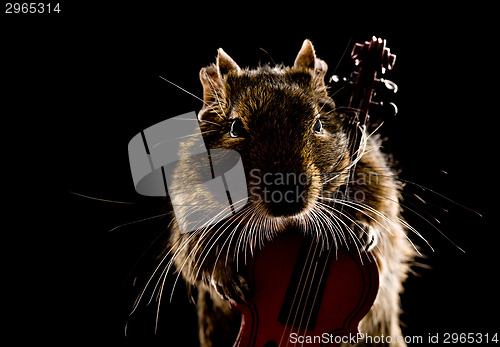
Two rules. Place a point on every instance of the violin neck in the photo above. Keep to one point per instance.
(362, 94)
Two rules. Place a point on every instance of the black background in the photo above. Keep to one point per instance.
(79, 85)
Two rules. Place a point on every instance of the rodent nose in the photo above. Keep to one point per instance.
(285, 195)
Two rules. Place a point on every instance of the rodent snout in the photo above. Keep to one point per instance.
(281, 194)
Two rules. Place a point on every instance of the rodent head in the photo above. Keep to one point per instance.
(294, 145)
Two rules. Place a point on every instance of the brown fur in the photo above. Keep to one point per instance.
(277, 108)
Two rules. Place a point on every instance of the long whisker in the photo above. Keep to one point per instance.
(423, 218)
(139, 221)
(424, 188)
(183, 137)
(204, 233)
(165, 271)
(184, 90)
(144, 288)
(199, 120)
(244, 215)
(360, 207)
(221, 230)
(330, 210)
(343, 55)
(441, 196)
(100, 199)
(216, 95)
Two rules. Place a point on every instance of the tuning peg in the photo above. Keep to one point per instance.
(388, 59)
(337, 79)
(391, 108)
(334, 79)
(388, 108)
(389, 85)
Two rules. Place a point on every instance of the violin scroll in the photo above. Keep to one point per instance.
(375, 52)
(372, 57)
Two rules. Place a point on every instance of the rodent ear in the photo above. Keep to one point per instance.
(225, 63)
(307, 59)
(211, 82)
(212, 78)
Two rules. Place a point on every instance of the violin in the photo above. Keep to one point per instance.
(304, 293)
(302, 290)
(373, 58)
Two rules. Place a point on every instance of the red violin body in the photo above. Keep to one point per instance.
(302, 292)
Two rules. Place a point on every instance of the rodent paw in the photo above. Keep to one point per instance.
(231, 288)
(368, 238)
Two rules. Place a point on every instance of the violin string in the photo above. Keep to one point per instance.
(316, 225)
(305, 286)
(302, 287)
(295, 296)
(307, 299)
(317, 288)
(307, 262)
(315, 261)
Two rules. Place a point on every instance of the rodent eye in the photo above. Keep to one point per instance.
(237, 129)
(318, 127)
